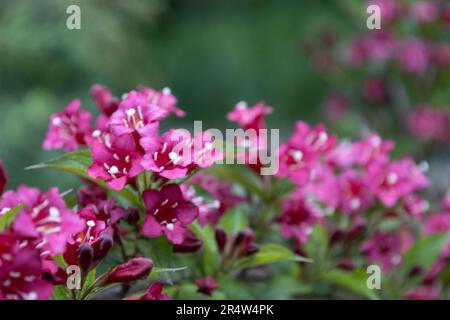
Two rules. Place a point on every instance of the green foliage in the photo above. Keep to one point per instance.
(8, 217)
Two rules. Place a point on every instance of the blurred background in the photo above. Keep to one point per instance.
(212, 54)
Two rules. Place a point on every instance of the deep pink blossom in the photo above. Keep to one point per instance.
(106, 102)
(67, 129)
(206, 285)
(135, 114)
(425, 11)
(163, 99)
(298, 217)
(423, 292)
(415, 205)
(89, 246)
(354, 192)
(392, 181)
(413, 56)
(169, 156)
(116, 164)
(190, 244)
(21, 270)
(250, 117)
(375, 90)
(390, 9)
(44, 217)
(167, 213)
(385, 249)
(430, 124)
(372, 148)
(303, 150)
(153, 293)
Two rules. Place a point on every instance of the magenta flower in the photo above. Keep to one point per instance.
(298, 218)
(44, 217)
(169, 156)
(190, 244)
(134, 114)
(106, 102)
(392, 181)
(250, 118)
(3, 177)
(375, 90)
(413, 56)
(167, 213)
(206, 285)
(163, 99)
(385, 249)
(354, 193)
(89, 246)
(153, 293)
(21, 270)
(372, 148)
(116, 164)
(67, 129)
(430, 124)
(390, 9)
(415, 205)
(425, 11)
(299, 154)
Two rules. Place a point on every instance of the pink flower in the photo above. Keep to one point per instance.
(336, 105)
(354, 193)
(44, 217)
(67, 129)
(415, 206)
(413, 56)
(425, 11)
(89, 246)
(430, 124)
(297, 218)
(190, 244)
(381, 45)
(163, 99)
(206, 285)
(153, 293)
(21, 270)
(135, 114)
(375, 90)
(302, 151)
(385, 249)
(3, 177)
(170, 155)
(392, 181)
(106, 102)
(323, 186)
(423, 292)
(167, 213)
(210, 212)
(390, 9)
(117, 163)
(372, 149)
(250, 118)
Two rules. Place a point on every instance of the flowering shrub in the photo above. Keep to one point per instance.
(160, 221)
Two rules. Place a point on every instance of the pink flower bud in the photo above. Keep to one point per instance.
(135, 269)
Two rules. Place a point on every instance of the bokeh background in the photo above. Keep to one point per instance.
(212, 54)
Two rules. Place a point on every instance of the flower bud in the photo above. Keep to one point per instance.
(206, 285)
(221, 239)
(190, 244)
(135, 269)
(85, 257)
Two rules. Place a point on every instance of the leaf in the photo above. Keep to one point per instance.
(269, 253)
(8, 217)
(242, 175)
(61, 293)
(77, 162)
(423, 254)
(355, 281)
(210, 250)
(87, 291)
(236, 219)
(317, 246)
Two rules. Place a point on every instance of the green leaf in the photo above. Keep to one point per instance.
(355, 281)
(210, 250)
(61, 293)
(317, 246)
(269, 253)
(242, 175)
(423, 254)
(8, 217)
(87, 291)
(236, 219)
(77, 162)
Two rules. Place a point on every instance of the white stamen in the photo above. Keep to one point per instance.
(57, 121)
(166, 91)
(170, 226)
(392, 178)
(241, 105)
(130, 112)
(96, 133)
(116, 156)
(15, 274)
(90, 223)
